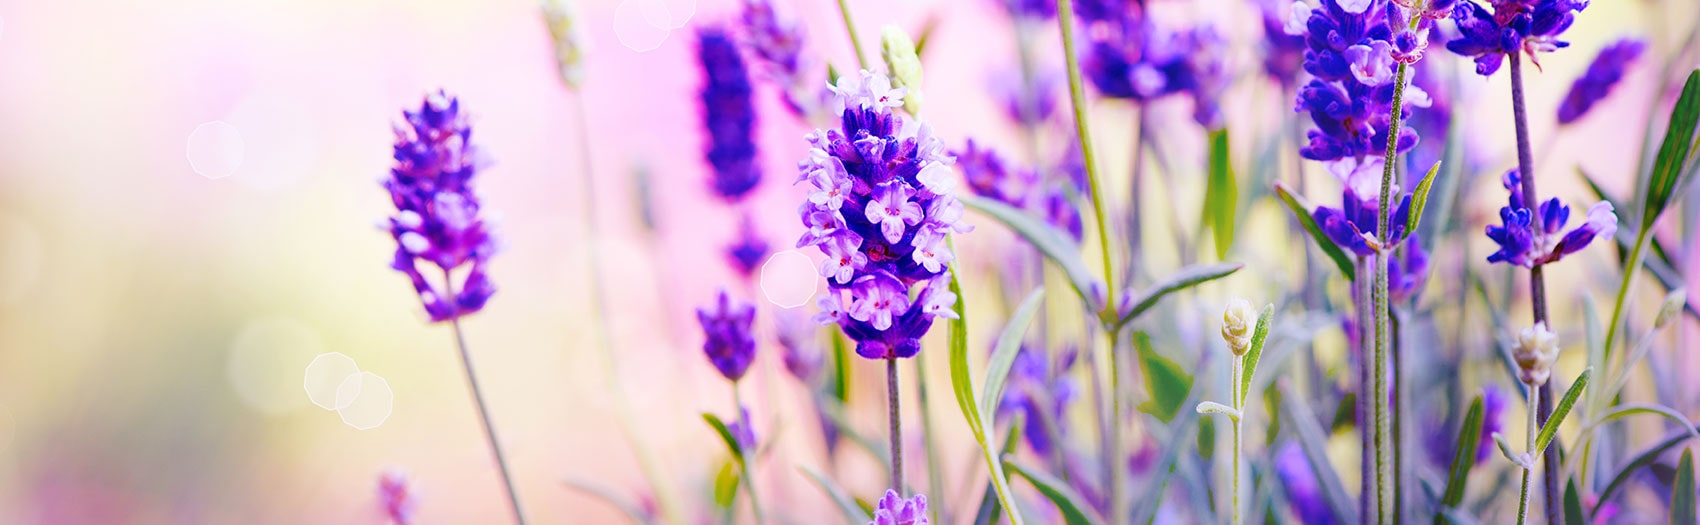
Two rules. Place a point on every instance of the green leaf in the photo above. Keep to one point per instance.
(1419, 199)
(626, 505)
(726, 486)
(1314, 442)
(1464, 457)
(1573, 514)
(853, 513)
(1522, 460)
(1165, 382)
(1187, 277)
(1644, 458)
(1221, 194)
(1302, 211)
(1673, 152)
(732, 445)
(962, 384)
(1003, 353)
(1049, 240)
(1560, 411)
(1255, 354)
(1626, 410)
(834, 412)
(1212, 407)
(1074, 509)
(1682, 490)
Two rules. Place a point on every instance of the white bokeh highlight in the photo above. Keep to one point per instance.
(216, 149)
(261, 356)
(365, 400)
(788, 279)
(325, 375)
(21, 264)
(634, 28)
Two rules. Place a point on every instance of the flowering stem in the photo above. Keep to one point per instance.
(850, 27)
(896, 426)
(749, 455)
(483, 414)
(1378, 371)
(1537, 280)
(1523, 495)
(1238, 366)
(935, 477)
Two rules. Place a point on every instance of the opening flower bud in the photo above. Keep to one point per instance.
(899, 53)
(1535, 352)
(1237, 321)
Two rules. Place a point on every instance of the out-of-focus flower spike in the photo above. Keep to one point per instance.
(566, 29)
(1603, 74)
(728, 340)
(396, 498)
(899, 53)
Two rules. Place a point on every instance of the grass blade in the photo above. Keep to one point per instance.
(854, 514)
(1682, 490)
(1301, 211)
(1258, 336)
(1673, 152)
(1419, 199)
(1003, 353)
(1187, 277)
(1221, 194)
(1166, 383)
(1561, 410)
(1074, 509)
(1464, 458)
(1049, 240)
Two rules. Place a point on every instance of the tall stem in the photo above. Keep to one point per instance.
(1523, 496)
(1383, 443)
(1361, 292)
(896, 426)
(1537, 279)
(478, 402)
(935, 471)
(1234, 390)
(850, 27)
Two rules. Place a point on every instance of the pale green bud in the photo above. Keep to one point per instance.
(1674, 302)
(1237, 321)
(905, 67)
(566, 28)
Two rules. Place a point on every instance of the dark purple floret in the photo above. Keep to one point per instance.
(1353, 225)
(779, 44)
(728, 341)
(1512, 26)
(989, 177)
(437, 210)
(1528, 240)
(728, 114)
(1304, 494)
(1041, 391)
(1493, 411)
(1130, 57)
(1283, 53)
(749, 251)
(1407, 272)
(1603, 74)
(1353, 58)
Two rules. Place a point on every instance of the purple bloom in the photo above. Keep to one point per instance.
(1040, 391)
(1352, 227)
(895, 510)
(728, 114)
(1602, 75)
(1493, 410)
(396, 498)
(1130, 57)
(1407, 272)
(880, 209)
(749, 250)
(1353, 56)
(1527, 26)
(988, 177)
(1028, 102)
(1304, 494)
(1528, 240)
(743, 430)
(779, 44)
(436, 218)
(803, 357)
(1283, 51)
(728, 342)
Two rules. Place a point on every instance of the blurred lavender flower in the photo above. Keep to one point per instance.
(988, 177)
(803, 356)
(1028, 102)
(729, 115)
(1602, 75)
(1037, 10)
(743, 430)
(729, 343)
(1527, 26)
(1493, 412)
(396, 498)
(895, 510)
(1283, 52)
(1524, 242)
(880, 209)
(1041, 391)
(749, 250)
(1130, 57)
(566, 28)
(436, 218)
(1407, 272)
(1304, 494)
(1352, 57)
(779, 44)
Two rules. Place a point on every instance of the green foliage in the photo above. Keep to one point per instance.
(1221, 194)
(1166, 383)
(1075, 510)
(1464, 457)
(1301, 211)
(1187, 277)
(1674, 151)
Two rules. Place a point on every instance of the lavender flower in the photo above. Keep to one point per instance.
(748, 252)
(779, 44)
(1130, 57)
(396, 498)
(1352, 227)
(729, 344)
(989, 177)
(436, 218)
(1353, 59)
(1028, 102)
(895, 510)
(803, 357)
(1527, 26)
(1283, 51)
(1493, 410)
(1041, 391)
(729, 115)
(1304, 494)
(880, 209)
(743, 430)
(1525, 242)
(1602, 75)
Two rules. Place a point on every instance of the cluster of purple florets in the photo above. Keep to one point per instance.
(1129, 56)
(1529, 240)
(1511, 26)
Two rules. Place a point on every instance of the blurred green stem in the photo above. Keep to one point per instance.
(850, 28)
(478, 402)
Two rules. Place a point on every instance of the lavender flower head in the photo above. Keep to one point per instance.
(1304, 494)
(895, 510)
(1526, 26)
(396, 498)
(436, 218)
(729, 115)
(1130, 57)
(1353, 58)
(879, 209)
(749, 250)
(803, 356)
(1493, 410)
(729, 342)
(1528, 240)
(743, 430)
(1283, 51)
(1041, 391)
(1603, 74)
(1352, 227)
(779, 44)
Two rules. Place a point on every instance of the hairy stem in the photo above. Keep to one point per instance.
(1383, 330)
(1537, 279)
(850, 27)
(1523, 496)
(478, 402)
(1234, 388)
(896, 426)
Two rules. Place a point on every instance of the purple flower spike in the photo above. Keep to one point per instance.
(1493, 410)
(1524, 244)
(1130, 57)
(750, 250)
(779, 44)
(436, 218)
(1512, 26)
(1303, 491)
(396, 498)
(728, 114)
(729, 343)
(895, 510)
(1040, 390)
(879, 210)
(1352, 51)
(1283, 52)
(1602, 75)
(1352, 227)
(989, 177)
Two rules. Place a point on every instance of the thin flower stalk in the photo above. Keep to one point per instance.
(484, 415)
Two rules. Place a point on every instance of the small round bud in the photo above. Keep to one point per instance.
(1237, 321)
(899, 53)
(1535, 353)
(1674, 301)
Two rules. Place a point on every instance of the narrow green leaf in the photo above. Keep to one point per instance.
(925, 35)
(961, 382)
(1302, 211)
(1074, 509)
(1212, 407)
(1626, 410)
(1464, 457)
(726, 486)
(1255, 354)
(1520, 459)
(1682, 490)
(1673, 152)
(626, 505)
(1003, 353)
(1165, 382)
(853, 513)
(1314, 442)
(732, 445)
(1187, 277)
(1641, 459)
(1561, 410)
(1049, 240)
(1419, 199)
(1221, 194)
(1573, 514)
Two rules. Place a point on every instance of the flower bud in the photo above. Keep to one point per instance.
(1674, 301)
(565, 27)
(1535, 352)
(1237, 321)
(899, 53)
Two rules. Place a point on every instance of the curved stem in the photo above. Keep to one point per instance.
(850, 27)
(896, 426)
(478, 402)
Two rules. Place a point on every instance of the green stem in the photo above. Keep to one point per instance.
(478, 402)
(896, 419)
(1238, 368)
(1383, 443)
(1528, 471)
(850, 27)
(748, 465)
(935, 474)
